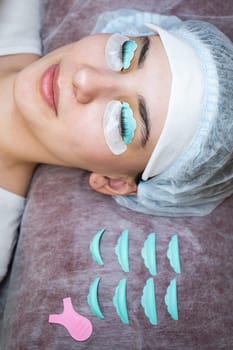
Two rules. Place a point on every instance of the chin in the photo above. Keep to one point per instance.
(27, 94)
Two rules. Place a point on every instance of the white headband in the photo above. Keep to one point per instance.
(184, 104)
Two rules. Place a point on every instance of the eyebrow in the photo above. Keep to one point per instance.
(145, 46)
(143, 111)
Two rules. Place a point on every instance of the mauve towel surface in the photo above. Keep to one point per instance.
(53, 260)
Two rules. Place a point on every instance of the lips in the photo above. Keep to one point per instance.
(49, 87)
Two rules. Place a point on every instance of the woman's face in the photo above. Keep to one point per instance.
(62, 99)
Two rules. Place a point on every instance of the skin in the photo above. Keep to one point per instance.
(32, 133)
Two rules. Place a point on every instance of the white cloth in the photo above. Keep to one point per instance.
(11, 210)
(186, 100)
(20, 27)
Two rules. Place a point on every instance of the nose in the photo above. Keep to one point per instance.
(90, 82)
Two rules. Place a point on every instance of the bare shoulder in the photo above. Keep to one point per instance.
(14, 63)
(16, 178)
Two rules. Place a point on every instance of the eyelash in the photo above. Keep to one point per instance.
(128, 53)
(127, 123)
(130, 44)
(122, 125)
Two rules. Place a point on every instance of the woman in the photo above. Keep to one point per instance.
(115, 105)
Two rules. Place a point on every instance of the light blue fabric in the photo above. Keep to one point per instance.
(131, 22)
(202, 177)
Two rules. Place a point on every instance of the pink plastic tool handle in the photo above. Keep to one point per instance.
(79, 327)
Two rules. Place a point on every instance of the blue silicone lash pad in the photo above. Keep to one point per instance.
(148, 253)
(128, 51)
(119, 301)
(128, 124)
(148, 301)
(122, 250)
(93, 300)
(95, 247)
(173, 254)
(171, 300)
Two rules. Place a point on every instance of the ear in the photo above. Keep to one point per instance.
(113, 186)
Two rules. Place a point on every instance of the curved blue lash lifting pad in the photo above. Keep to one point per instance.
(148, 301)
(93, 300)
(128, 123)
(128, 51)
(119, 301)
(148, 253)
(122, 250)
(173, 254)
(95, 247)
(171, 300)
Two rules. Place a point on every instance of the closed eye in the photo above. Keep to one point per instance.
(144, 50)
(142, 107)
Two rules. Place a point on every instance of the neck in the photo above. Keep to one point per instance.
(16, 165)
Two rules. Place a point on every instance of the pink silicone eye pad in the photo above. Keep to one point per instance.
(79, 327)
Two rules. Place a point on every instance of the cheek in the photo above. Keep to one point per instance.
(85, 134)
(89, 50)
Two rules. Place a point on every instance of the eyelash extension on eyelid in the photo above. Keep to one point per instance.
(128, 51)
(127, 123)
(119, 126)
(119, 52)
